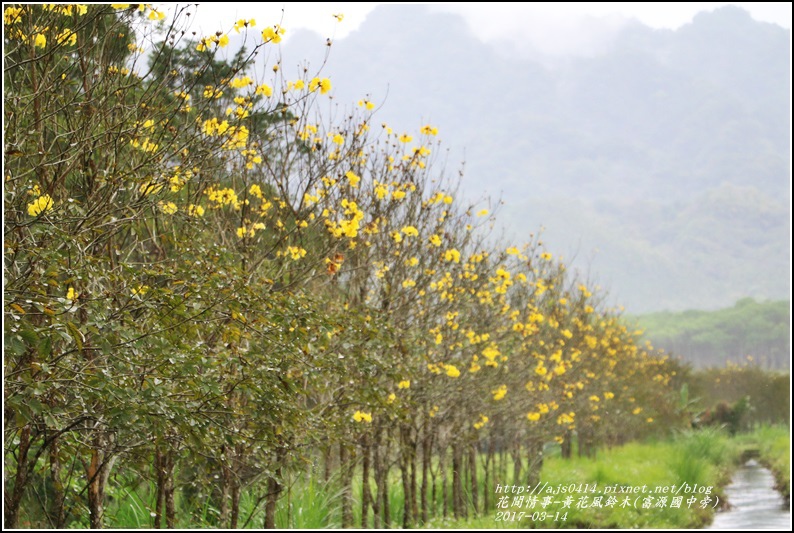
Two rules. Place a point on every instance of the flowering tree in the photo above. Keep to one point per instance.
(210, 282)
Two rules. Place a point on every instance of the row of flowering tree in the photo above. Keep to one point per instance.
(210, 284)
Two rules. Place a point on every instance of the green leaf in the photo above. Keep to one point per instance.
(76, 335)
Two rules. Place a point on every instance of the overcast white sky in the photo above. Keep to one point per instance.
(490, 19)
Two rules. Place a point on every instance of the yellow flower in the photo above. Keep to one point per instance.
(338, 139)
(67, 37)
(452, 255)
(435, 240)
(361, 416)
(352, 178)
(339, 17)
(169, 208)
(273, 34)
(242, 23)
(39, 40)
(404, 384)
(71, 294)
(499, 393)
(264, 89)
(608, 395)
(195, 210)
(40, 205)
(452, 371)
(140, 290)
(323, 84)
(240, 82)
(405, 138)
(296, 252)
(546, 256)
(391, 398)
(482, 213)
(410, 231)
(429, 130)
(533, 417)
(637, 410)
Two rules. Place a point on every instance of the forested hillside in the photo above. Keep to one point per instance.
(661, 161)
(750, 329)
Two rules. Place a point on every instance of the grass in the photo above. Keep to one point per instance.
(701, 458)
(773, 444)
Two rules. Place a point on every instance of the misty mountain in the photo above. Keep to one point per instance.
(661, 163)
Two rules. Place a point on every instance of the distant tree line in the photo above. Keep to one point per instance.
(750, 330)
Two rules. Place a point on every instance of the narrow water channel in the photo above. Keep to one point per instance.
(755, 503)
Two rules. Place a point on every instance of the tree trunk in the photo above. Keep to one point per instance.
(413, 447)
(170, 507)
(534, 460)
(274, 489)
(226, 481)
(13, 501)
(57, 513)
(366, 494)
(235, 502)
(159, 502)
(444, 494)
(473, 474)
(406, 479)
(383, 484)
(565, 447)
(97, 472)
(347, 489)
(376, 460)
(489, 482)
(327, 467)
(516, 453)
(458, 507)
(426, 456)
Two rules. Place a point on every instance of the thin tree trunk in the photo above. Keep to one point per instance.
(235, 508)
(473, 474)
(159, 471)
(274, 489)
(383, 483)
(376, 460)
(366, 494)
(170, 507)
(516, 453)
(226, 483)
(458, 507)
(413, 447)
(444, 493)
(13, 501)
(347, 489)
(426, 446)
(406, 479)
(534, 460)
(97, 472)
(327, 464)
(57, 513)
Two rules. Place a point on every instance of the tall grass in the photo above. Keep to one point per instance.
(701, 457)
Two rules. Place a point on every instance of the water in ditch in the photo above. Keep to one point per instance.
(755, 504)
